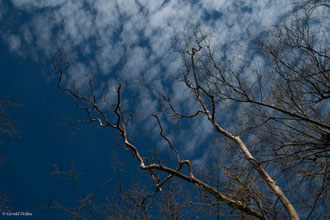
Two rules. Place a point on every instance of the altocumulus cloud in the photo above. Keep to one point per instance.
(14, 42)
(129, 39)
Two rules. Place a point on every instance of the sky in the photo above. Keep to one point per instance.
(115, 41)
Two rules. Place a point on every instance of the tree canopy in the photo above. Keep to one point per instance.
(266, 106)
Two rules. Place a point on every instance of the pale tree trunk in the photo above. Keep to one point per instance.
(263, 173)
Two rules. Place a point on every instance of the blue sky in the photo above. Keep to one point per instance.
(117, 41)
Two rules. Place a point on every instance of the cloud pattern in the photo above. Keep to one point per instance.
(125, 40)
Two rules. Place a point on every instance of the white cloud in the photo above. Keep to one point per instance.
(27, 34)
(136, 63)
(215, 4)
(151, 5)
(132, 39)
(128, 7)
(191, 138)
(108, 55)
(14, 43)
(78, 77)
(34, 4)
(76, 23)
(107, 17)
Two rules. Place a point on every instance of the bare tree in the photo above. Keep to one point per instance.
(284, 112)
(7, 130)
(118, 120)
(288, 106)
(281, 135)
(7, 125)
(126, 201)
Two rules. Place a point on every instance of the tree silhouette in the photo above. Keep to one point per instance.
(277, 146)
